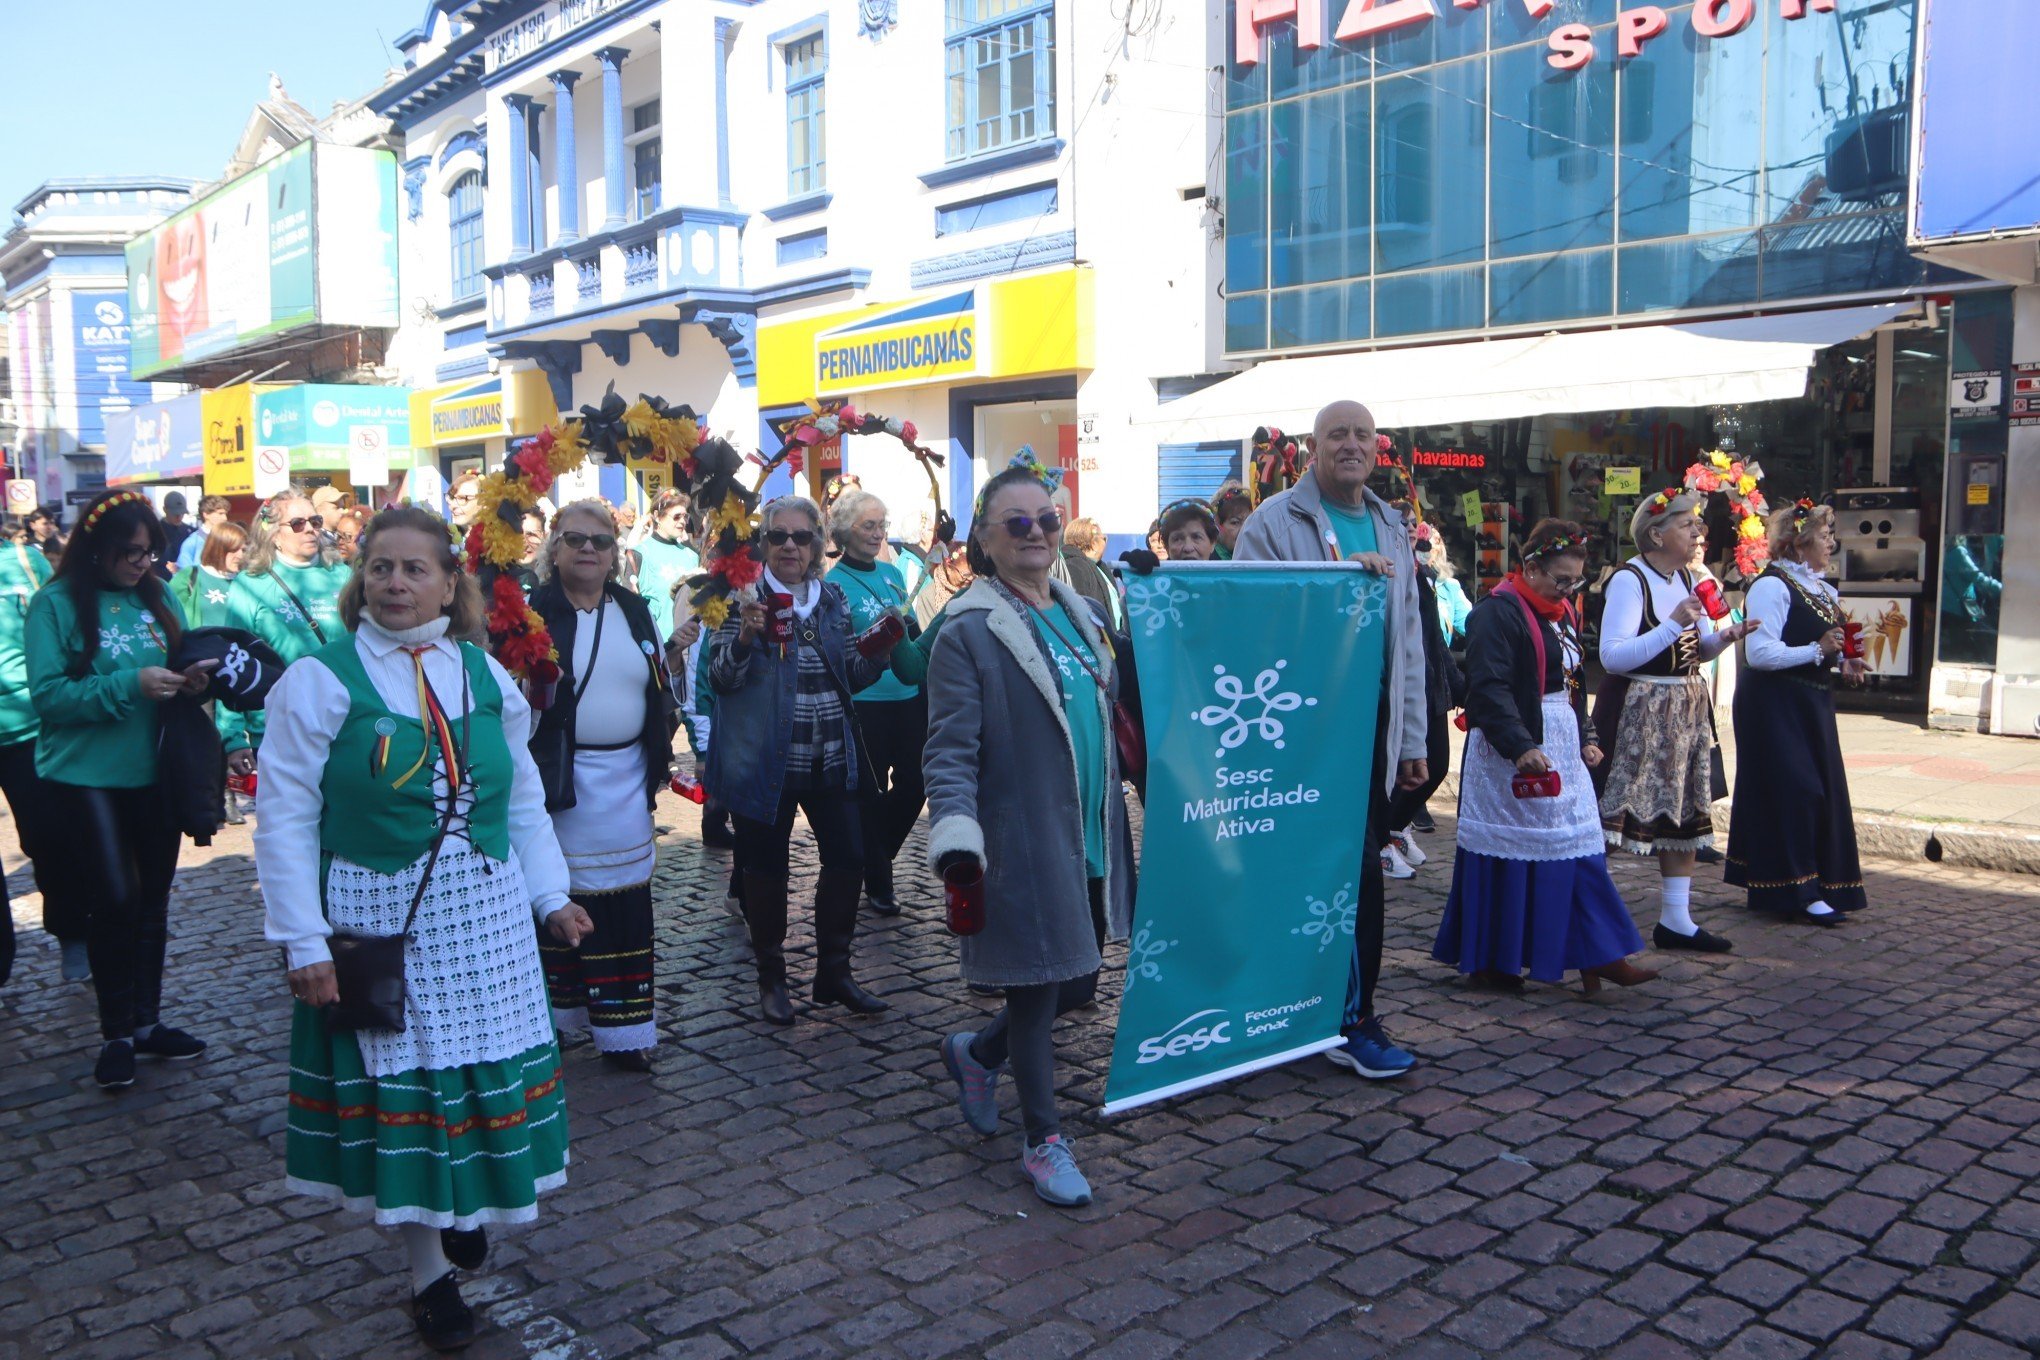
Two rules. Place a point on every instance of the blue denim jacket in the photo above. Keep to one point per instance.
(754, 708)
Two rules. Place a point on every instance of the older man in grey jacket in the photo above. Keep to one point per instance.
(1331, 516)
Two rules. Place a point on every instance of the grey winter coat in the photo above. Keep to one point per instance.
(1293, 526)
(1002, 784)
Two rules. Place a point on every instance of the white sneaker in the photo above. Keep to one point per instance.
(1406, 845)
(1393, 865)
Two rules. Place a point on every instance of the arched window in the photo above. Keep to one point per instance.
(464, 231)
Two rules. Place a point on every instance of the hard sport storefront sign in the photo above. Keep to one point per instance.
(1572, 45)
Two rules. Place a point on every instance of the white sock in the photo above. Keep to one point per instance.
(1674, 895)
(428, 1258)
(1820, 909)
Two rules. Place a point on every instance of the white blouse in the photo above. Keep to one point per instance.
(1769, 604)
(306, 711)
(612, 704)
(1623, 648)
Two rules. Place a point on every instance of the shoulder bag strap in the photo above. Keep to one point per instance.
(594, 648)
(1536, 629)
(317, 631)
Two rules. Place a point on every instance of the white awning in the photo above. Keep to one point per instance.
(1702, 363)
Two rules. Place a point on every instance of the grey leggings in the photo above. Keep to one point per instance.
(1024, 1034)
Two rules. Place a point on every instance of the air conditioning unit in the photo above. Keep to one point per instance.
(1866, 155)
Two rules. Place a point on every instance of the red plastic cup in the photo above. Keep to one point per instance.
(882, 636)
(1710, 598)
(1852, 640)
(963, 897)
(242, 785)
(688, 787)
(779, 617)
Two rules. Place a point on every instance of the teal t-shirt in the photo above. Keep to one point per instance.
(661, 566)
(23, 571)
(871, 592)
(1087, 730)
(259, 604)
(1355, 530)
(98, 732)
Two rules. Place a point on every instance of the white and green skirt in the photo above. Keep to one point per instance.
(460, 1120)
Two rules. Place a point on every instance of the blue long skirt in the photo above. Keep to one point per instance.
(1548, 916)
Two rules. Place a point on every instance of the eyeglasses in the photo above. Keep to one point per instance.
(1566, 587)
(1019, 526)
(577, 540)
(140, 557)
(802, 538)
(874, 526)
(462, 496)
(297, 524)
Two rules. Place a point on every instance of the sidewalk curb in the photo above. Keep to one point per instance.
(1965, 844)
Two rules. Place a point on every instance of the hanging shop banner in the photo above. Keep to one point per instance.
(228, 414)
(163, 441)
(325, 427)
(261, 255)
(1260, 685)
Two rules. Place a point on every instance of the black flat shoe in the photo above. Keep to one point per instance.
(115, 1069)
(466, 1248)
(1833, 918)
(445, 1322)
(1699, 942)
(1709, 855)
(773, 1003)
(624, 1060)
(882, 904)
(1489, 980)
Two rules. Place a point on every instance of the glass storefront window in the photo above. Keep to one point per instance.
(1431, 146)
(1318, 207)
(1320, 316)
(1767, 165)
(1553, 286)
(1554, 155)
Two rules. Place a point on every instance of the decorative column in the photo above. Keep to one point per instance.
(616, 187)
(520, 178)
(724, 29)
(564, 158)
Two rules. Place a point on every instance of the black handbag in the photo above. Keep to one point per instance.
(368, 970)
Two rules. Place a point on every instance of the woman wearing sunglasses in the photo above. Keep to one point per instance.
(1657, 712)
(784, 669)
(1530, 885)
(288, 594)
(604, 749)
(97, 639)
(1024, 789)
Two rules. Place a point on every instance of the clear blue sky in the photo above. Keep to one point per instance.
(139, 87)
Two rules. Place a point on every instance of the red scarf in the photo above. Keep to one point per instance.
(1551, 611)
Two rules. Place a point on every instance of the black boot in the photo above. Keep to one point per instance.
(765, 914)
(836, 896)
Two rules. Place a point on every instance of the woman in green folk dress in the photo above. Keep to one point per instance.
(458, 1120)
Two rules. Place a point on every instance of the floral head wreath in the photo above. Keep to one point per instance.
(1802, 511)
(117, 499)
(1049, 477)
(1737, 480)
(1662, 502)
(1559, 545)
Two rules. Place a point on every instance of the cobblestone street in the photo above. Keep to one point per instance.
(1824, 1144)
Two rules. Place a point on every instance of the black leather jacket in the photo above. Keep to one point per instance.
(1504, 695)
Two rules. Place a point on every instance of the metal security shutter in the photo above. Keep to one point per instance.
(1198, 470)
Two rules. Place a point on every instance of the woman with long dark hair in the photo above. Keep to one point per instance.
(98, 638)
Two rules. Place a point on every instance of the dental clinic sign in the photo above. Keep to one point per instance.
(1572, 45)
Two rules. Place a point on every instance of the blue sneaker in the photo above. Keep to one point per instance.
(1053, 1169)
(977, 1086)
(1368, 1052)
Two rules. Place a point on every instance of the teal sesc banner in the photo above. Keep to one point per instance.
(1260, 684)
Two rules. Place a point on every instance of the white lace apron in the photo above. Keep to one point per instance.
(1494, 821)
(474, 991)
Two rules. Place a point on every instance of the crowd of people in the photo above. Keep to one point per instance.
(501, 829)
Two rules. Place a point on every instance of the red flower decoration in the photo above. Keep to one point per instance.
(531, 462)
(849, 418)
(795, 462)
(508, 597)
(1383, 444)
(738, 568)
(471, 547)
